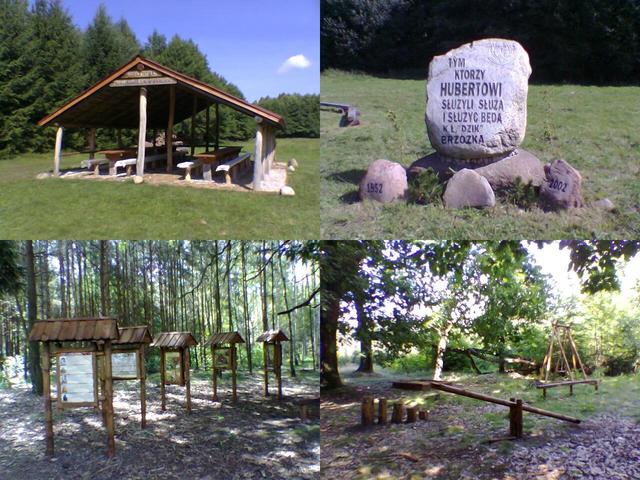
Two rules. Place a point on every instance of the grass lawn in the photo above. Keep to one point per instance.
(81, 209)
(595, 129)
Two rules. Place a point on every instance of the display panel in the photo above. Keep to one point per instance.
(77, 379)
(173, 368)
(124, 365)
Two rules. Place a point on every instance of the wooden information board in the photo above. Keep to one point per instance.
(222, 358)
(125, 365)
(77, 380)
(173, 368)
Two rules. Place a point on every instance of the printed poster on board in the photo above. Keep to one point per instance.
(77, 378)
(124, 364)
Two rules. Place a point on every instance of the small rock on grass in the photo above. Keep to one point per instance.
(468, 189)
(562, 188)
(287, 191)
(293, 163)
(385, 182)
(605, 204)
(138, 180)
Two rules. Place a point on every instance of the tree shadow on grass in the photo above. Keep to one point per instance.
(353, 177)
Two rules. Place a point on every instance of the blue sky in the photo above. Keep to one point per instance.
(245, 41)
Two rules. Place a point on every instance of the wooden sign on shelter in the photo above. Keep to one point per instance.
(79, 366)
(272, 355)
(128, 361)
(174, 352)
(224, 356)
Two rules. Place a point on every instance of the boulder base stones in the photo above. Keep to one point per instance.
(604, 204)
(293, 163)
(287, 191)
(468, 189)
(385, 182)
(523, 165)
(562, 188)
(477, 99)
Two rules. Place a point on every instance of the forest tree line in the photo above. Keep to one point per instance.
(477, 306)
(591, 41)
(45, 60)
(203, 287)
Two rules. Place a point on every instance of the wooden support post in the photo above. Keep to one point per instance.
(265, 355)
(564, 356)
(143, 388)
(169, 133)
(398, 412)
(234, 386)
(162, 379)
(423, 414)
(258, 171)
(412, 414)
(46, 389)
(519, 422)
(382, 411)
(515, 419)
(512, 419)
(142, 132)
(544, 393)
(277, 353)
(267, 150)
(206, 138)
(214, 375)
(570, 389)
(193, 125)
(92, 143)
(57, 153)
(108, 400)
(206, 171)
(367, 411)
(187, 374)
(217, 126)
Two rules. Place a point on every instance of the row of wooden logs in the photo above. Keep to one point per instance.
(397, 415)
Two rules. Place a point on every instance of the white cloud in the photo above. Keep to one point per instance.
(296, 61)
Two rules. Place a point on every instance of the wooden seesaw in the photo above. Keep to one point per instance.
(516, 406)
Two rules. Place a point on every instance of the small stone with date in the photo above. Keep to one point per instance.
(562, 188)
(385, 181)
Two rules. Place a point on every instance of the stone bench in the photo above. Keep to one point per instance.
(188, 166)
(94, 163)
(128, 163)
(231, 167)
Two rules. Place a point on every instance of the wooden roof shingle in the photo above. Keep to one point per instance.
(272, 336)
(174, 340)
(224, 338)
(74, 329)
(139, 334)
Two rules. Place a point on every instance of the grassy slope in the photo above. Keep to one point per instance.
(596, 129)
(56, 208)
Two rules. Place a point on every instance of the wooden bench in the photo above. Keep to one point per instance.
(94, 163)
(128, 163)
(231, 167)
(188, 166)
(570, 383)
(304, 404)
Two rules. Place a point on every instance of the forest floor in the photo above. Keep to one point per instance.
(452, 444)
(76, 208)
(257, 438)
(592, 128)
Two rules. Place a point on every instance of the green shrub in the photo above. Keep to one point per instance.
(523, 195)
(425, 188)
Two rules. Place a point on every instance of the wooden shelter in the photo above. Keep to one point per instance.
(77, 367)
(223, 356)
(128, 361)
(174, 361)
(272, 359)
(145, 94)
(556, 361)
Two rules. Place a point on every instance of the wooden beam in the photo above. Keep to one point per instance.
(193, 125)
(234, 395)
(46, 388)
(257, 159)
(142, 132)
(265, 356)
(217, 126)
(277, 353)
(214, 375)
(169, 134)
(143, 387)
(187, 374)
(92, 143)
(58, 151)
(562, 384)
(206, 138)
(163, 380)
(108, 400)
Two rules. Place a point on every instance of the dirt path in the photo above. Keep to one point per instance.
(256, 438)
(452, 444)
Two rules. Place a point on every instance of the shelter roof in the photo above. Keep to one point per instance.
(113, 101)
(174, 340)
(74, 329)
(272, 336)
(139, 334)
(224, 338)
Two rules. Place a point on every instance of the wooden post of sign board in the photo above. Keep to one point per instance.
(214, 375)
(193, 125)
(46, 388)
(257, 157)
(162, 378)
(217, 126)
(92, 143)
(232, 359)
(277, 354)
(108, 400)
(265, 355)
(142, 132)
(57, 152)
(119, 137)
(143, 387)
(187, 375)
(169, 133)
(206, 138)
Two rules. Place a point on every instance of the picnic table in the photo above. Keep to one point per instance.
(119, 157)
(214, 158)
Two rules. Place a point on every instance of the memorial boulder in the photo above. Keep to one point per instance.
(385, 182)
(562, 188)
(468, 189)
(477, 99)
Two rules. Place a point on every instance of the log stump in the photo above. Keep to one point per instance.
(367, 411)
(412, 414)
(398, 412)
(382, 411)
(423, 414)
